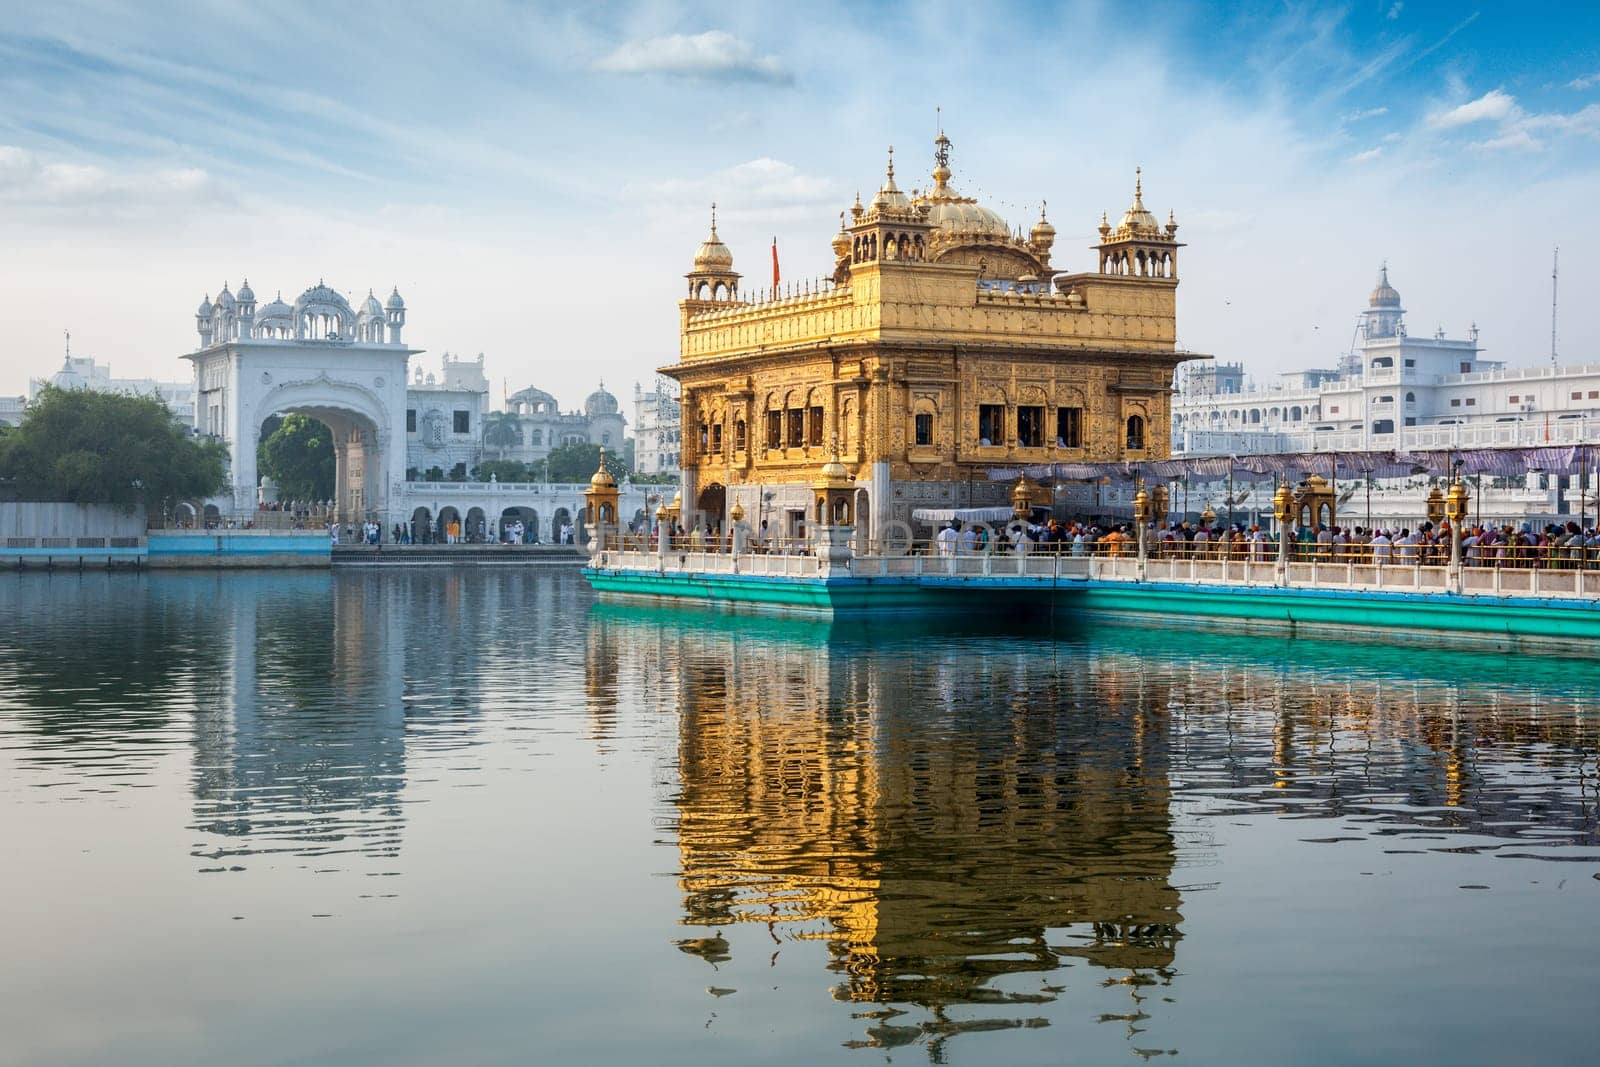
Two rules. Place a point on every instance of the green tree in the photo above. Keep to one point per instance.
(576, 462)
(298, 455)
(87, 447)
(501, 431)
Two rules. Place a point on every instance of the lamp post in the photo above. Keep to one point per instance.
(1283, 511)
(1455, 506)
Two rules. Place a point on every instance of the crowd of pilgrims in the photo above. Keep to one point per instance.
(1556, 545)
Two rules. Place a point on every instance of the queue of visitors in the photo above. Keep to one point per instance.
(1556, 546)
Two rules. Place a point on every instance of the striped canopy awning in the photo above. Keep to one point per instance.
(1384, 463)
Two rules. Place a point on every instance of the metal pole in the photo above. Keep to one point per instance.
(1230, 498)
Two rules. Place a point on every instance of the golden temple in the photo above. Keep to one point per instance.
(944, 344)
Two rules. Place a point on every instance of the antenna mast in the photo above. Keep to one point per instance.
(1555, 274)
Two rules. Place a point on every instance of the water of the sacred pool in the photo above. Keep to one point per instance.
(437, 815)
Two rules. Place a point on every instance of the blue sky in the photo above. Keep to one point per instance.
(535, 179)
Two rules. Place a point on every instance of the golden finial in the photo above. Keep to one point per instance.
(891, 163)
(713, 218)
(1042, 205)
(1138, 183)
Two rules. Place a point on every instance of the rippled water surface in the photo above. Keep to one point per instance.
(475, 817)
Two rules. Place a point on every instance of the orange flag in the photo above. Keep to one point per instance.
(774, 264)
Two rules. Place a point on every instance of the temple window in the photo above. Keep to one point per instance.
(461, 421)
(991, 424)
(1135, 432)
(411, 420)
(774, 429)
(924, 429)
(1030, 426)
(797, 428)
(1069, 427)
(716, 437)
(814, 424)
(738, 435)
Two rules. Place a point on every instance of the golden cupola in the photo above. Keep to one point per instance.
(1137, 220)
(712, 277)
(1043, 235)
(1139, 246)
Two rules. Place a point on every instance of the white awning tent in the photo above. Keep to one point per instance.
(962, 514)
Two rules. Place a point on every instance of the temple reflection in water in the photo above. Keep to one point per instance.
(939, 844)
(952, 813)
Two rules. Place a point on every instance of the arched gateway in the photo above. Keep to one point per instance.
(319, 357)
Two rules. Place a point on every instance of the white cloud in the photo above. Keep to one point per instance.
(26, 179)
(715, 54)
(765, 184)
(1588, 81)
(1493, 106)
(1394, 11)
(1367, 113)
(1368, 156)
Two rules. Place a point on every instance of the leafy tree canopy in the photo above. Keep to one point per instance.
(88, 447)
(576, 462)
(298, 455)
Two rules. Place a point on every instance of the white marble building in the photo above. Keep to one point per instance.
(657, 428)
(1394, 391)
(406, 440)
(11, 409)
(83, 372)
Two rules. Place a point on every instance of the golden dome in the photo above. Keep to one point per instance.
(1383, 294)
(1043, 235)
(841, 244)
(601, 479)
(713, 256)
(890, 198)
(1138, 219)
(834, 471)
(954, 214)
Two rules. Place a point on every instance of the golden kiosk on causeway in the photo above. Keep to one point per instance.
(944, 344)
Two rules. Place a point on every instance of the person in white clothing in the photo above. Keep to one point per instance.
(969, 540)
(945, 541)
(1381, 547)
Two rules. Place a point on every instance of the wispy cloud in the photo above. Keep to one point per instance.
(713, 55)
(762, 185)
(1588, 81)
(1496, 105)
(1368, 156)
(1366, 113)
(1394, 10)
(28, 180)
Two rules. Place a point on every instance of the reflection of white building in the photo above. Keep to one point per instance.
(1394, 391)
(657, 428)
(82, 372)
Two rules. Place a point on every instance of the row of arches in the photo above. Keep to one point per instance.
(477, 527)
(708, 289)
(867, 247)
(1139, 262)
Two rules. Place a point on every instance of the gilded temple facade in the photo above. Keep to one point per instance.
(945, 344)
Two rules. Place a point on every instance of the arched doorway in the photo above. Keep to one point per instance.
(527, 517)
(422, 526)
(448, 516)
(558, 525)
(477, 528)
(711, 504)
(212, 517)
(184, 514)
